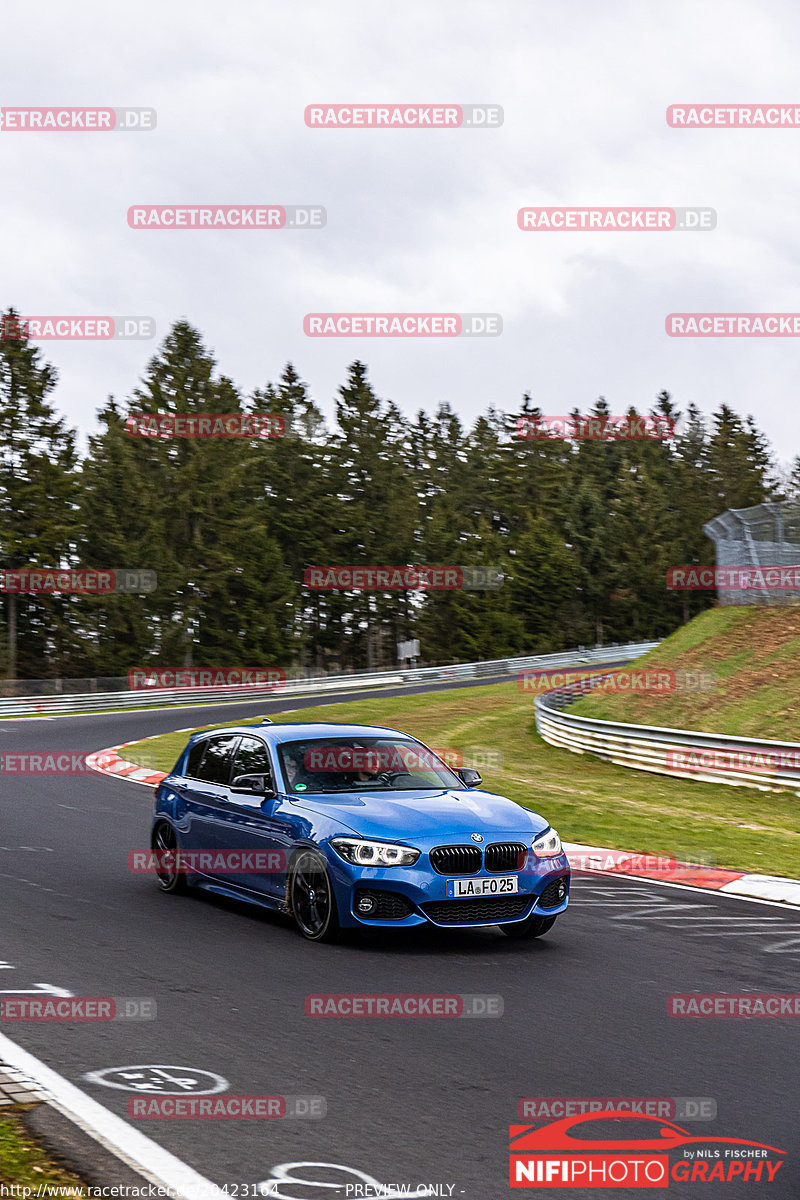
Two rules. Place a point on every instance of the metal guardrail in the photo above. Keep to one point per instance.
(15, 706)
(685, 753)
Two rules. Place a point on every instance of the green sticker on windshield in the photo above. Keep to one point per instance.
(300, 787)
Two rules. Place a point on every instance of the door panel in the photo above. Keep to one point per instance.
(249, 823)
(205, 792)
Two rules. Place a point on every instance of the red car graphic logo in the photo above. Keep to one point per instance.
(565, 1154)
(556, 1136)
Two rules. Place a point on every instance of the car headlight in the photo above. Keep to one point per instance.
(374, 854)
(548, 845)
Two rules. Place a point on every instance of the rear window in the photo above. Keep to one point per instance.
(216, 762)
(193, 761)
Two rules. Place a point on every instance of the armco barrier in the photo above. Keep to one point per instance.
(15, 706)
(714, 758)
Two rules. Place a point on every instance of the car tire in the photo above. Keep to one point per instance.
(311, 898)
(533, 926)
(165, 841)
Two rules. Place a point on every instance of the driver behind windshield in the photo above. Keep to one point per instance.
(304, 774)
(336, 766)
(370, 765)
(297, 777)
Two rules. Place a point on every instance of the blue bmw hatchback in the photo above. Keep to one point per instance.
(346, 826)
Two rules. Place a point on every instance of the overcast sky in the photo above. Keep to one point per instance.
(417, 220)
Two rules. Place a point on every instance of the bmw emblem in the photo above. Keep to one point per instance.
(476, 837)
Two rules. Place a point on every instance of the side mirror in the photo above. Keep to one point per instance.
(469, 776)
(253, 785)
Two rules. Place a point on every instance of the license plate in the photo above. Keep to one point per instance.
(499, 885)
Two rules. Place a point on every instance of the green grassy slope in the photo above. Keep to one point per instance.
(754, 654)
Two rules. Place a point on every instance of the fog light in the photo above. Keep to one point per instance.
(366, 904)
(562, 891)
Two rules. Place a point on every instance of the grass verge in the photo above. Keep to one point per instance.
(23, 1164)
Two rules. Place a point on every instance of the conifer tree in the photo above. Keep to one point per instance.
(38, 495)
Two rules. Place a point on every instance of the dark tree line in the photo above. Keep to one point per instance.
(584, 532)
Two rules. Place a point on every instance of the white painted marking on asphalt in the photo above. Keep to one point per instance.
(40, 989)
(644, 904)
(655, 910)
(655, 901)
(678, 917)
(282, 1173)
(658, 907)
(735, 933)
(719, 893)
(676, 913)
(781, 946)
(727, 922)
(152, 1079)
(721, 923)
(606, 897)
(140, 1152)
(611, 890)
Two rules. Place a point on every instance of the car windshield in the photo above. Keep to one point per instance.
(369, 764)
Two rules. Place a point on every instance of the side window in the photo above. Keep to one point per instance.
(217, 760)
(193, 761)
(252, 758)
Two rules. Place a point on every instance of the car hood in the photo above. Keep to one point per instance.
(425, 814)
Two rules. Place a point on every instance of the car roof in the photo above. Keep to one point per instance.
(291, 731)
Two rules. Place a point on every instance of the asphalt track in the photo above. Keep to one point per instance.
(425, 1101)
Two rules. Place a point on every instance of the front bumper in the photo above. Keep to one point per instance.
(420, 894)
